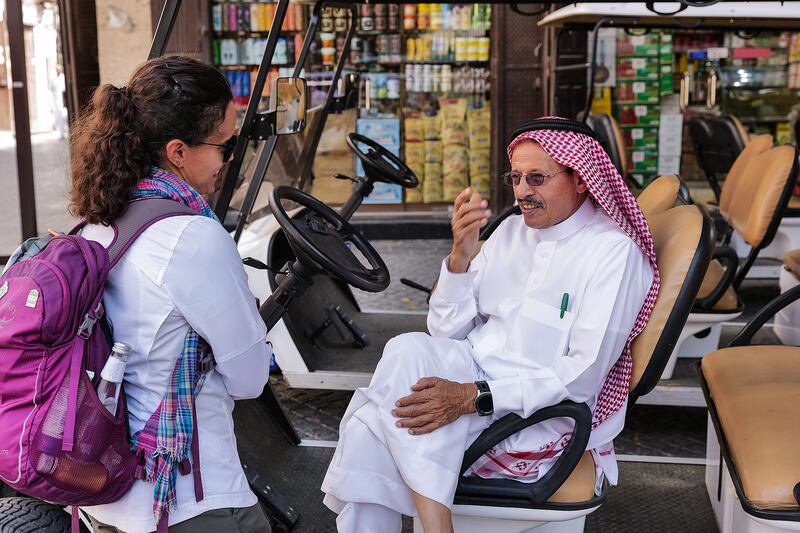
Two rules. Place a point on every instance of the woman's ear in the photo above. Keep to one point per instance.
(175, 152)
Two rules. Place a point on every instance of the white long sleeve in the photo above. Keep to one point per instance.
(218, 304)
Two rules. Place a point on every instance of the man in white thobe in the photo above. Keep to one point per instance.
(540, 315)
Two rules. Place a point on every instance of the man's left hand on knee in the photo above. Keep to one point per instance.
(434, 403)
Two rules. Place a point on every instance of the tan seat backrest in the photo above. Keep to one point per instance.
(741, 128)
(758, 193)
(660, 195)
(676, 235)
(758, 145)
(623, 152)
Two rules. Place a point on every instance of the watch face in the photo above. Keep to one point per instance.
(483, 403)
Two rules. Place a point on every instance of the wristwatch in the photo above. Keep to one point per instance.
(484, 405)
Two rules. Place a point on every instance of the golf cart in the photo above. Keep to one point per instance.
(744, 251)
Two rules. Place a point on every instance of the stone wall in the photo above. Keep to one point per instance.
(124, 35)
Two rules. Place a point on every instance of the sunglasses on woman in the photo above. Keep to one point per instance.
(533, 179)
(227, 147)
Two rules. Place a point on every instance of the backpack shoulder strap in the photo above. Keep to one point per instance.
(139, 216)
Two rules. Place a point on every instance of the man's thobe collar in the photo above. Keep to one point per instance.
(570, 226)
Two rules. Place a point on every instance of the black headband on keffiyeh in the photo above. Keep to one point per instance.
(574, 145)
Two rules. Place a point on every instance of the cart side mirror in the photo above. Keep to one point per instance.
(289, 101)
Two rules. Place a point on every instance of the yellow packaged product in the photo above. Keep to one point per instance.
(415, 129)
(453, 109)
(479, 125)
(432, 186)
(481, 184)
(414, 196)
(433, 152)
(415, 153)
(452, 186)
(432, 126)
(479, 162)
(454, 161)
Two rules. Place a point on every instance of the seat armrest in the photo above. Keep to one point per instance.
(541, 490)
(728, 257)
(745, 336)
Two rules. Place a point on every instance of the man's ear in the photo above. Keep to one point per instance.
(175, 152)
(580, 185)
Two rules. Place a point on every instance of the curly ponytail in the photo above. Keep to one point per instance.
(123, 131)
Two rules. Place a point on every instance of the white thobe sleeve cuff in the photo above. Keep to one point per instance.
(544, 388)
(454, 287)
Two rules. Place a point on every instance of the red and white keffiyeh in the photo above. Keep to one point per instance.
(606, 187)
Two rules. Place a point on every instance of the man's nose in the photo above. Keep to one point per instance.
(523, 189)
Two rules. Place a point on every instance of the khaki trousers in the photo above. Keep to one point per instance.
(227, 520)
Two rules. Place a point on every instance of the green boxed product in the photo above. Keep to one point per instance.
(637, 68)
(638, 114)
(637, 45)
(641, 137)
(646, 92)
(665, 79)
(644, 161)
(665, 51)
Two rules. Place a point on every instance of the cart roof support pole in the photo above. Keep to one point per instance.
(232, 173)
(309, 162)
(265, 156)
(22, 126)
(164, 29)
(592, 68)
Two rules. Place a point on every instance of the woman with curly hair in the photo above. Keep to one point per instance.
(179, 291)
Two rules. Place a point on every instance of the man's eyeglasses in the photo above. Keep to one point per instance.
(227, 147)
(533, 179)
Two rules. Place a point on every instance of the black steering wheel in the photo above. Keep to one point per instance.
(380, 164)
(322, 236)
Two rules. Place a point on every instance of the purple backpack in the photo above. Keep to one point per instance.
(57, 441)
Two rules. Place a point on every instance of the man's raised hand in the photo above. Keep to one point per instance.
(470, 214)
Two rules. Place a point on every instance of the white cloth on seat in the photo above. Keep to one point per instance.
(501, 322)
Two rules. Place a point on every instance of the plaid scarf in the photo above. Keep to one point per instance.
(164, 444)
(608, 190)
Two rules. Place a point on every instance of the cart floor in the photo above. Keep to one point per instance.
(330, 351)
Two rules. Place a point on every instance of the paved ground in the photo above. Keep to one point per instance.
(50, 170)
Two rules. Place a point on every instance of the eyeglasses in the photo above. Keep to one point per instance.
(227, 147)
(533, 179)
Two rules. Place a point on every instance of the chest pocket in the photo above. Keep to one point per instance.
(539, 332)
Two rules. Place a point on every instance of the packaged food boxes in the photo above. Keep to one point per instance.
(641, 137)
(665, 84)
(638, 114)
(637, 45)
(665, 49)
(644, 161)
(637, 68)
(645, 92)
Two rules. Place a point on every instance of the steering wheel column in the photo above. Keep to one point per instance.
(292, 282)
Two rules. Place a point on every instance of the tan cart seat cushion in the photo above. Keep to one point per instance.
(757, 145)
(757, 195)
(756, 391)
(729, 301)
(792, 261)
(740, 127)
(676, 233)
(660, 195)
(579, 486)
